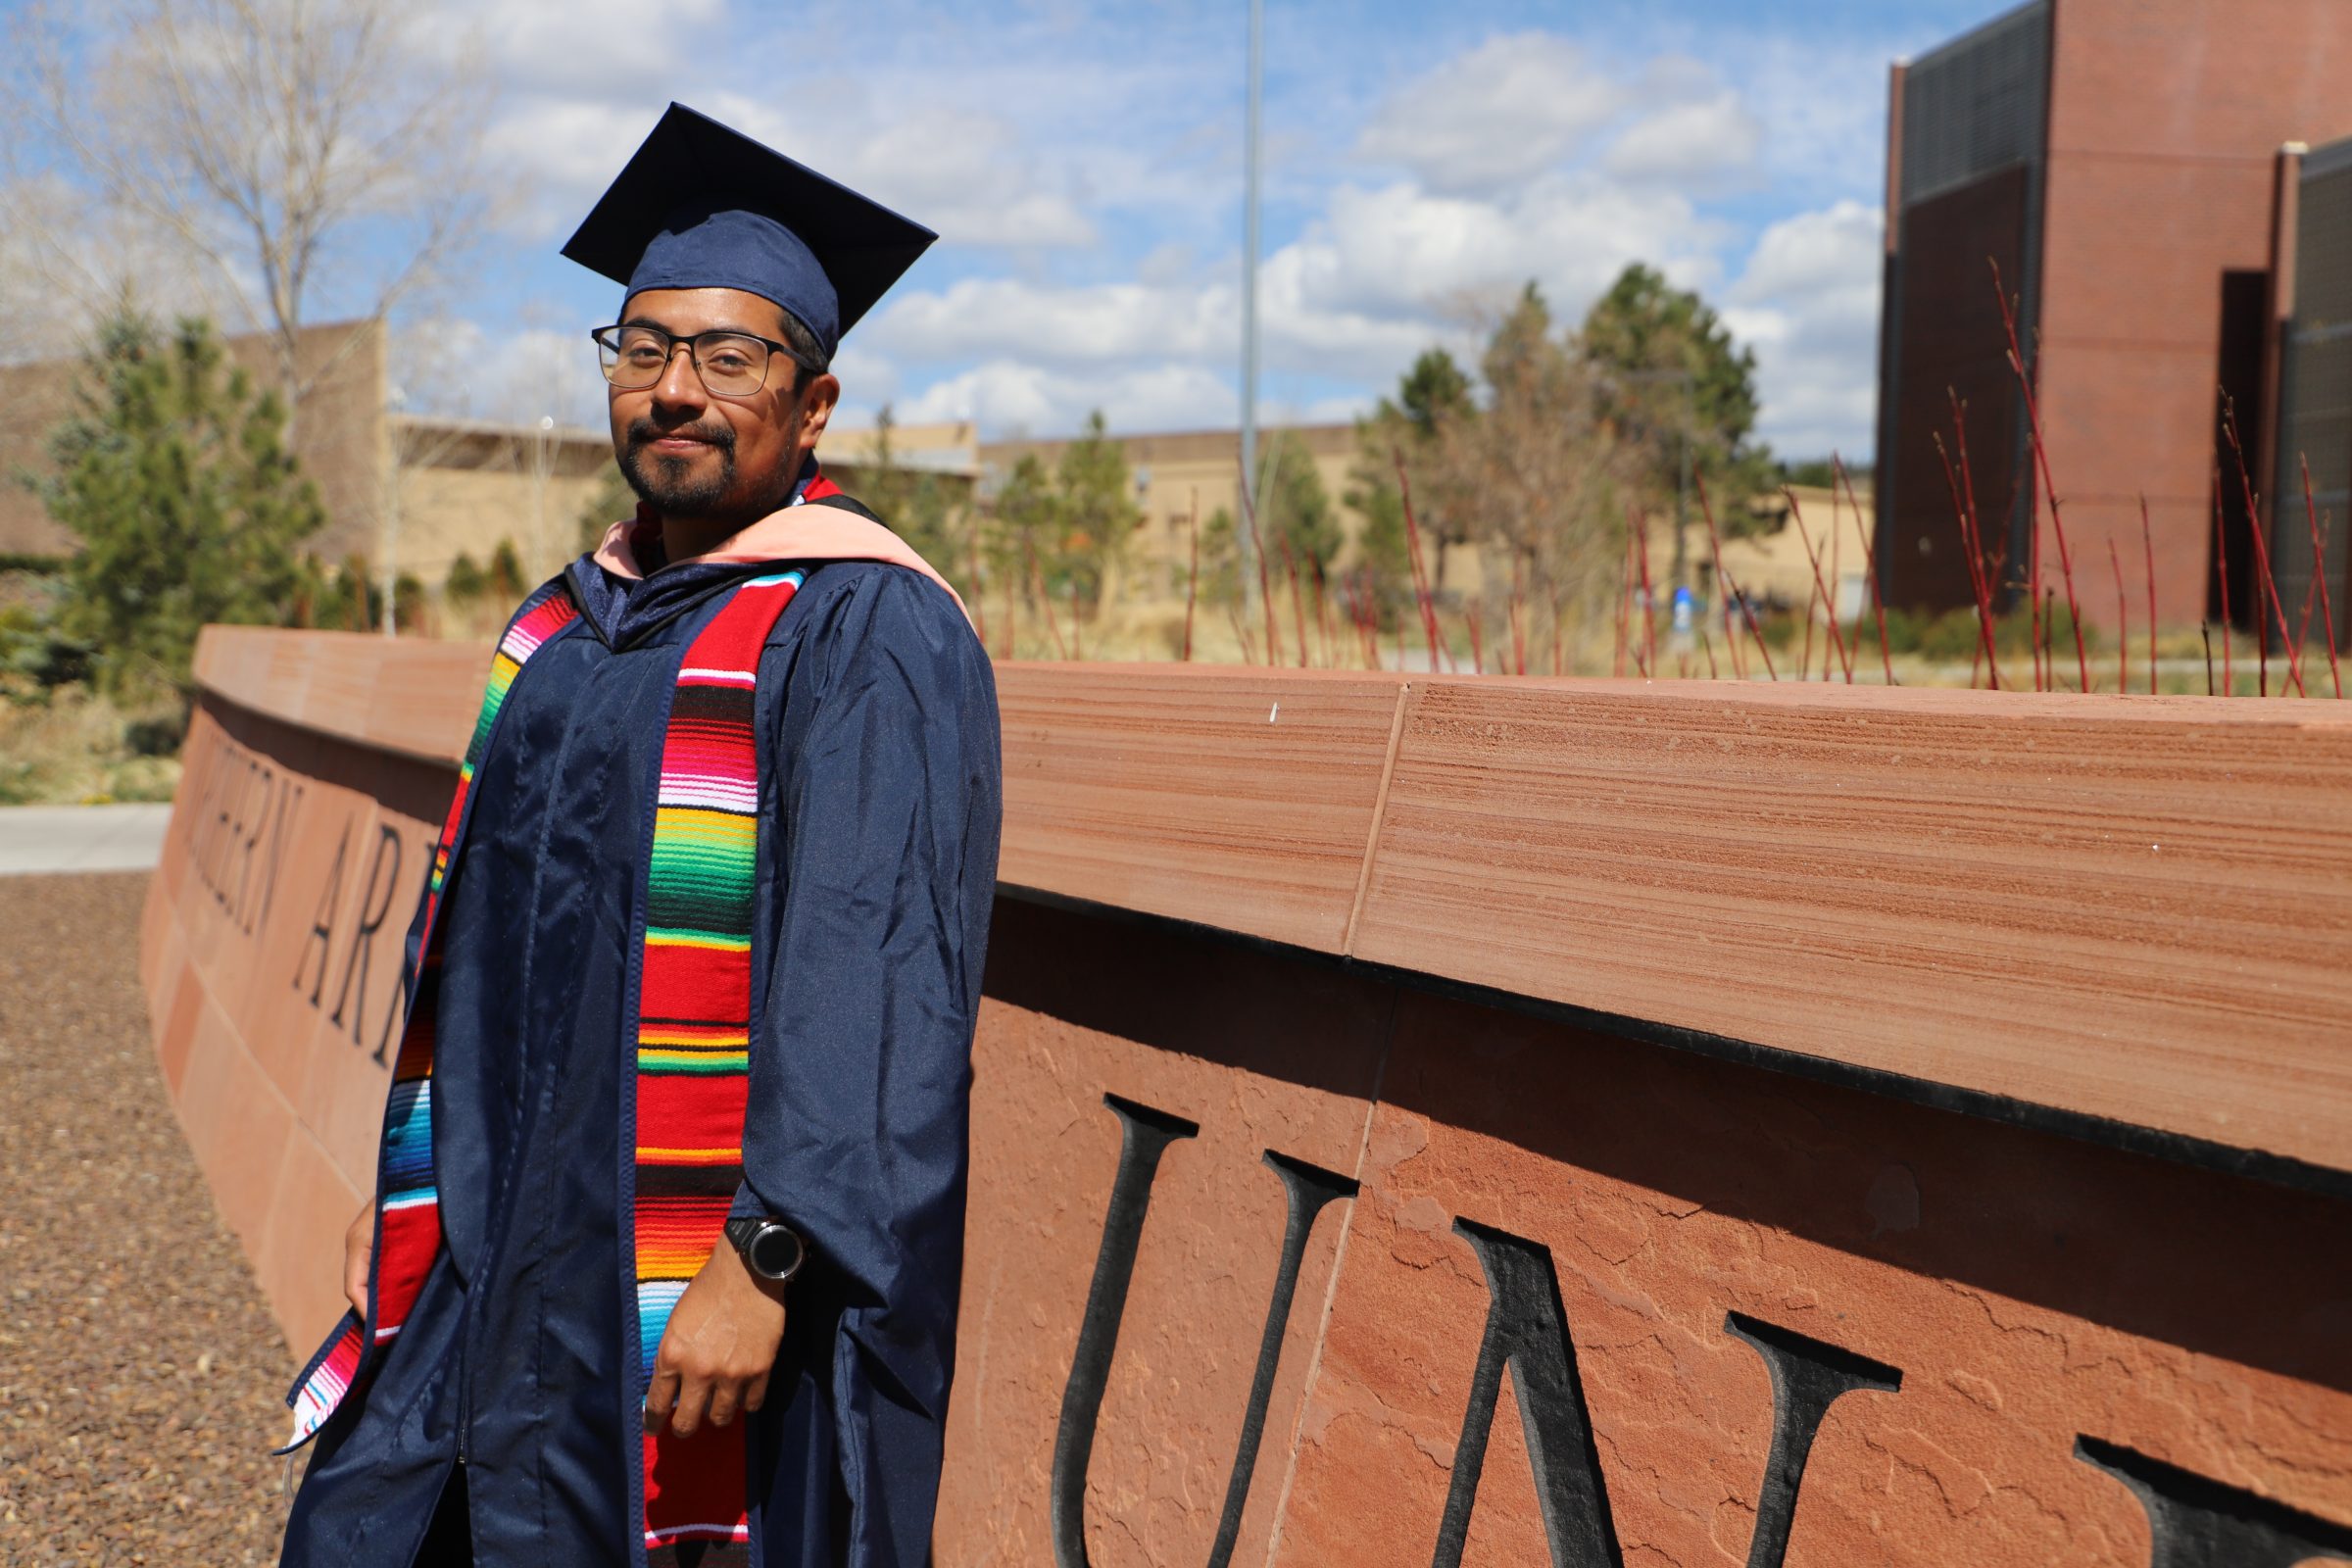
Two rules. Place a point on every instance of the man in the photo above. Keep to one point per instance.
(665, 1260)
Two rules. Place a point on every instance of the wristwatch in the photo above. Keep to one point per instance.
(770, 1248)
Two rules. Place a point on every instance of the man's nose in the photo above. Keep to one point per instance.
(681, 386)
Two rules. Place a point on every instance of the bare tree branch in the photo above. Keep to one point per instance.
(306, 155)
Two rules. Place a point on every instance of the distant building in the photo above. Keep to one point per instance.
(409, 493)
(413, 492)
(2120, 162)
(1770, 567)
(466, 486)
(1178, 477)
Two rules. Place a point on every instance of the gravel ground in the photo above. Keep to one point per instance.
(139, 1370)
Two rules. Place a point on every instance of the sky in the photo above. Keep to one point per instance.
(1083, 166)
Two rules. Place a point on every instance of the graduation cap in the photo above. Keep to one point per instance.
(700, 205)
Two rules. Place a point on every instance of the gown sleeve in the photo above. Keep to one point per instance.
(855, 1132)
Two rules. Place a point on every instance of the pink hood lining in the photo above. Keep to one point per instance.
(810, 532)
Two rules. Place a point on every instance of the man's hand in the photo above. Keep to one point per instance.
(715, 1354)
(359, 1250)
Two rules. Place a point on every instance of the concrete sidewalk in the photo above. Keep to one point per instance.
(82, 838)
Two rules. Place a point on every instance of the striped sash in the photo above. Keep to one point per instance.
(693, 1032)
(691, 1041)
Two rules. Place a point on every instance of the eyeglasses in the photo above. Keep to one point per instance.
(732, 365)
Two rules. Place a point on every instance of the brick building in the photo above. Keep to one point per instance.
(2134, 169)
(341, 439)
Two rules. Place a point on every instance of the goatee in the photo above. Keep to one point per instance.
(666, 484)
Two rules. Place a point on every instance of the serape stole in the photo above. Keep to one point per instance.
(693, 1035)
(408, 1211)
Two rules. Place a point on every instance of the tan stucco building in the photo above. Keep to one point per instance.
(1177, 475)
(464, 486)
(1770, 567)
(406, 493)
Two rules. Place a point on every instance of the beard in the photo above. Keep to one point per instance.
(669, 484)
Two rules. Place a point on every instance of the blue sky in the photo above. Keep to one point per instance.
(1083, 164)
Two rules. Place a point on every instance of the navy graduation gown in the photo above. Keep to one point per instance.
(879, 805)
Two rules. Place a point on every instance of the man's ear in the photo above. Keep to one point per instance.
(817, 408)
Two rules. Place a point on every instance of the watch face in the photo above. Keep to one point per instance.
(774, 1253)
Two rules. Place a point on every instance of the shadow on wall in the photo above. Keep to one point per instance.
(2242, 1270)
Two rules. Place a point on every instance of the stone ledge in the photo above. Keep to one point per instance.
(2128, 909)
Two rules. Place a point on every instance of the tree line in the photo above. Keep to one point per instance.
(1532, 466)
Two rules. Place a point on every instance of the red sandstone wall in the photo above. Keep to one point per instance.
(2029, 1289)
(271, 954)
(2001, 947)
(2126, 907)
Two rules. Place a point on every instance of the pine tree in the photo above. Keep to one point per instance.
(175, 476)
(1069, 524)
(1220, 580)
(1299, 511)
(1021, 535)
(464, 582)
(913, 503)
(1432, 400)
(1098, 513)
(1673, 375)
(504, 576)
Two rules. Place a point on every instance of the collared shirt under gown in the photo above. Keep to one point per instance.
(879, 798)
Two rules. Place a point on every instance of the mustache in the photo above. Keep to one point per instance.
(643, 431)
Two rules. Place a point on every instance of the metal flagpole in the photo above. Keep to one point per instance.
(1250, 248)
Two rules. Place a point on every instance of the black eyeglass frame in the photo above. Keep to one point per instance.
(775, 348)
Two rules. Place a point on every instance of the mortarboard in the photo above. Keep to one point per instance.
(700, 205)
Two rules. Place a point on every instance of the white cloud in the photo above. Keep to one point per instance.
(1832, 254)
(867, 380)
(1688, 144)
(587, 46)
(1381, 275)
(962, 172)
(1822, 102)
(965, 174)
(511, 375)
(1335, 410)
(579, 83)
(1009, 395)
(67, 261)
(1089, 325)
(1400, 248)
(1808, 303)
(1504, 112)
(1086, 187)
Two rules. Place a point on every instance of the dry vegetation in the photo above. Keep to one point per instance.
(77, 748)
